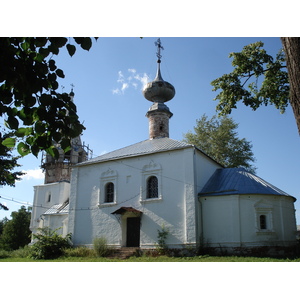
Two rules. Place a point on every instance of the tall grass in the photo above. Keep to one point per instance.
(100, 246)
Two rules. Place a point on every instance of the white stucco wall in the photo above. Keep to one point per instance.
(58, 222)
(233, 220)
(174, 208)
(59, 192)
(204, 169)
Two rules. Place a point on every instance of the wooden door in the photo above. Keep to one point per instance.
(133, 232)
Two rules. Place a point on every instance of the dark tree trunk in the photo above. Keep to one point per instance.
(291, 47)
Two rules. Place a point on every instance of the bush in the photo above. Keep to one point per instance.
(162, 236)
(100, 246)
(4, 253)
(49, 244)
(25, 252)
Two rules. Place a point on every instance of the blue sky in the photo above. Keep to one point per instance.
(107, 84)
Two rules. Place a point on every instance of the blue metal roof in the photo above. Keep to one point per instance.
(141, 148)
(233, 181)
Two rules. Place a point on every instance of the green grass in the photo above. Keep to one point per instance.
(83, 254)
(204, 258)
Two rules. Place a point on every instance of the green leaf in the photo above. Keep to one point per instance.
(58, 41)
(53, 152)
(44, 51)
(23, 131)
(52, 65)
(25, 46)
(39, 127)
(52, 77)
(84, 42)
(87, 43)
(35, 150)
(12, 122)
(23, 149)
(57, 136)
(41, 41)
(9, 142)
(65, 144)
(39, 57)
(60, 73)
(71, 49)
(26, 115)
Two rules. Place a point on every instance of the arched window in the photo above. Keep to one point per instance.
(109, 192)
(263, 221)
(152, 187)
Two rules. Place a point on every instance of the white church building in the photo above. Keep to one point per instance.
(129, 194)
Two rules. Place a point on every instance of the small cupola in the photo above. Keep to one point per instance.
(158, 91)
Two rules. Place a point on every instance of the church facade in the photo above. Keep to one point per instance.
(128, 195)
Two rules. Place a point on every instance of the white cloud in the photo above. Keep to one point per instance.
(116, 91)
(121, 77)
(144, 79)
(131, 79)
(33, 174)
(124, 87)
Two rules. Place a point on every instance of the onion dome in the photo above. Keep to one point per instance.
(159, 90)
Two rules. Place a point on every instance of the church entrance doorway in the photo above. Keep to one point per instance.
(133, 232)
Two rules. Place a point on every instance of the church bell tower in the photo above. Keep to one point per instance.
(158, 91)
(57, 170)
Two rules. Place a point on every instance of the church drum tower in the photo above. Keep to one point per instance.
(159, 91)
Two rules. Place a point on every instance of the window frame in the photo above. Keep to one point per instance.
(263, 222)
(109, 190)
(109, 176)
(152, 191)
(148, 171)
(264, 208)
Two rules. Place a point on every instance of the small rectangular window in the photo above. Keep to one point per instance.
(263, 221)
(109, 192)
(152, 187)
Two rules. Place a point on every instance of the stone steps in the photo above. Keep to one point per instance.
(124, 252)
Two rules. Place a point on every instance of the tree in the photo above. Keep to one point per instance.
(35, 113)
(7, 163)
(16, 232)
(259, 79)
(2, 223)
(218, 138)
(291, 48)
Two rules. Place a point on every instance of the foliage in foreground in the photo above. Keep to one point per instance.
(242, 84)
(49, 244)
(34, 113)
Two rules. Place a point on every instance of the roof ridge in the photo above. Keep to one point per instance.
(140, 148)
